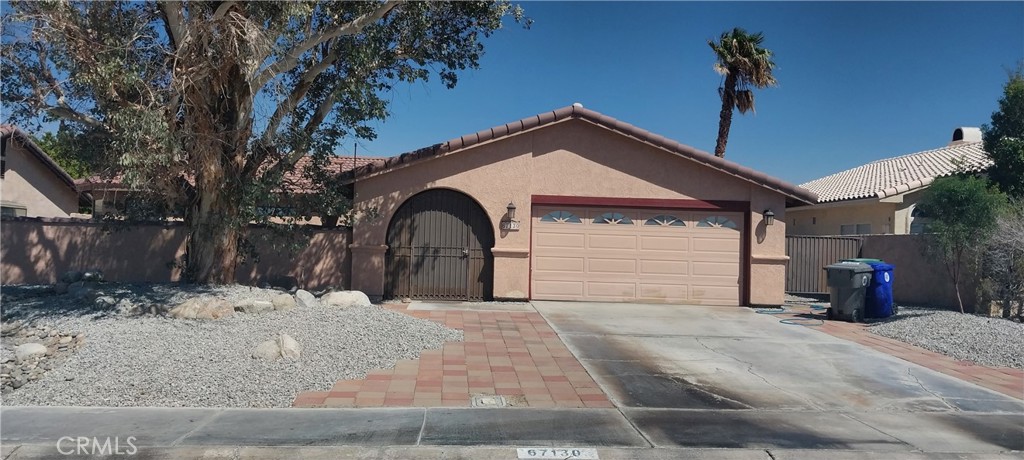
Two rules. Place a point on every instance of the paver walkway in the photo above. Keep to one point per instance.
(1005, 380)
(513, 354)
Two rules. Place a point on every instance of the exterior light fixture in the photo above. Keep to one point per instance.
(509, 222)
(769, 217)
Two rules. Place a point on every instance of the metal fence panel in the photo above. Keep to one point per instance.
(808, 255)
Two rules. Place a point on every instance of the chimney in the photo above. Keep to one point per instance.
(964, 135)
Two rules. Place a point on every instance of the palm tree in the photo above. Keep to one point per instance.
(745, 65)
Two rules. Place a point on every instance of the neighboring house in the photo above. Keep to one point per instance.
(570, 205)
(881, 197)
(111, 195)
(31, 183)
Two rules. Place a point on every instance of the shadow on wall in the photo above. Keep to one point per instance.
(39, 250)
(920, 278)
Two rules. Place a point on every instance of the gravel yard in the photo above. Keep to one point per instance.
(141, 359)
(995, 342)
(983, 340)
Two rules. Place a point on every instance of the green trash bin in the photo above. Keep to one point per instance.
(848, 282)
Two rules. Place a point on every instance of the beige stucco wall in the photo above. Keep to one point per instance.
(826, 219)
(40, 250)
(29, 183)
(568, 158)
(889, 215)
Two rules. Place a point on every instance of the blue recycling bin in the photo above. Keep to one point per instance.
(878, 299)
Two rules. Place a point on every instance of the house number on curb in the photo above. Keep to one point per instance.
(557, 452)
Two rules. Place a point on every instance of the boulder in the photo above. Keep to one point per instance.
(283, 302)
(80, 290)
(268, 350)
(290, 349)
(284, 346)
(28, 351)
(306, 299)
(71, 277)
(93, 276)
(345, 299)
(202, 308)
(60, 288)
(254, 306)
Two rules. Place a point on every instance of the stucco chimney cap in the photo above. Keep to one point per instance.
(965, 134)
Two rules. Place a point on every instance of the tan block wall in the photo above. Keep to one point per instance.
(40, 250)
(29, 183)
(919, 278)
(570, 158)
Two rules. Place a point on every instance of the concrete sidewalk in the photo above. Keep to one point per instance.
(34, 432)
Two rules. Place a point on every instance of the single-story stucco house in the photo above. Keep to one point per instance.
(570, 205)
(881, 197)
(31, 183)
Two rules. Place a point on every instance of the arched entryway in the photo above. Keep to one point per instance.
(439, 247)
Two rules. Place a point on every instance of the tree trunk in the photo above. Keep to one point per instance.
(212, 245)
(725, 116)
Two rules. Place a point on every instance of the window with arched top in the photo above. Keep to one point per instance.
(919, 221)
(561, 217)
(613, 218)
(665, 220)
(716, 222)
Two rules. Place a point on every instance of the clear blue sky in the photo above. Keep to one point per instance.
(858, 81)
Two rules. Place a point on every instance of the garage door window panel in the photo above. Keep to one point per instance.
(665, 221)
(613, 218)
(561, 217)
(717, 222)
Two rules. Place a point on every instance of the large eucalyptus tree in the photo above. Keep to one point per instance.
(208, 104)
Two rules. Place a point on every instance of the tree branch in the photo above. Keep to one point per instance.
(174, 20)
(291, 58)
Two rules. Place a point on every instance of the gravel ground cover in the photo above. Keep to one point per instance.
(141, 359)
(983, 340)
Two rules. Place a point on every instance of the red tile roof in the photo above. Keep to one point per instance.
(892, 176)
(578, 112)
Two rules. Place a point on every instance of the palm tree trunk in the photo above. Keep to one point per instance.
(725, 116)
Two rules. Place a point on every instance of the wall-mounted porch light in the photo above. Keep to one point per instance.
(510, 223)
(769, 217)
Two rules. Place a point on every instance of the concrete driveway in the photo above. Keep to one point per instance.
(728, 377)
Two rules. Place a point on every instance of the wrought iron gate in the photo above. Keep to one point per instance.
(439, 247)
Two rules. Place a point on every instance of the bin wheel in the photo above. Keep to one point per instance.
(857, 316)
(895, 309)
(829, 315)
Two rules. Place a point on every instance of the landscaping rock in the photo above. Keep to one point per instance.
(269, 350)
(92, 275)
(71, 277)
(27, 351)
(81, 290)
(283, 302)
(346, 299)
(60, 288)
(254, 306)
(306, 299)
(290, 349)
(202, 308)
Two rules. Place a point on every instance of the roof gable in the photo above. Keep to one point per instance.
(892, 176)
(10, 132)
(577, 112)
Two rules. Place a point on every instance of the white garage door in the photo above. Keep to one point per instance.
(636, 255)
